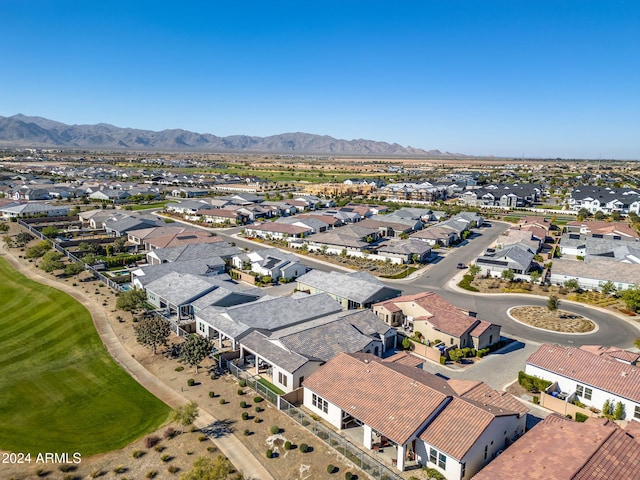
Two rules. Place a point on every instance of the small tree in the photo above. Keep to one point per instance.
(618, 411)
(553, 303)
(606, 408)
(23, 238)
(52, 261)
(406, 343)
(608, 287)
(195, 349)
(631, 298)
(4, 228)
(152, 332)
(572, 284)
(38, 250)
(206, 468)
(186, 414)
(50, 231)
(73, 269)
(130, 300)
(507, 274)
(474, 269)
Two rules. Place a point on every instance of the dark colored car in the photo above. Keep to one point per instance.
(461, 266)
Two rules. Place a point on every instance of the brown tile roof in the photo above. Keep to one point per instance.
(605, 228)
(561, 449)
(480, 328)
(484, 395)
(602, 372)
(456, 429)
(444, 316)
(615, 352)
(219, 212)
(360, 385)
(405, 358)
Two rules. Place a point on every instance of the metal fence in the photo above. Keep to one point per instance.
(253, 383)
(344, 447)
(103, 278)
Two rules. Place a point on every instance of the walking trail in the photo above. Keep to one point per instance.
(229, 445)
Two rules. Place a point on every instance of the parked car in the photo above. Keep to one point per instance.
(461, 266)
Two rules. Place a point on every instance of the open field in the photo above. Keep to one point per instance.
(61, 391)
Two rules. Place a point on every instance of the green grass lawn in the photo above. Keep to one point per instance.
(61, 390)
(147, 206)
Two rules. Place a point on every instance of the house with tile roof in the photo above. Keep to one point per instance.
(600, 229)
(437, 319)
(289, 355)
(192, 251)
(562, 449)
(437, 235)
(268, 314)
(453, 427)
(279, 231)
(588, 376)
(209, 266)
(517, 257)
(352, 290)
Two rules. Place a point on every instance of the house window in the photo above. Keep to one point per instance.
(320, 403)
(282, 378)
(433, 455)
(587, 393)
(486, 449)
(442, 461)
(579, 391)
(636, 412)
(582, 391)
(463, 470)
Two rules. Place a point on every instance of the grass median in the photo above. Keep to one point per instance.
(61, 390)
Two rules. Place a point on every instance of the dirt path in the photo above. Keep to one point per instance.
(229, 445)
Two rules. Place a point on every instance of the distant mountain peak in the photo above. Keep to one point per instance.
(24, 131)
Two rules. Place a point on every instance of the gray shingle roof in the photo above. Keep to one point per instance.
(354, 287)
(179, 289)
(196, 251)
(272, 353)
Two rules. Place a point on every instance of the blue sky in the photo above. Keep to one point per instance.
(508, 78)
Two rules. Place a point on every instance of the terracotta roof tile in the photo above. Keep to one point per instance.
(561, 449)
(602, 372)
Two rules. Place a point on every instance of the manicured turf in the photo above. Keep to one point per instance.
(60, 391)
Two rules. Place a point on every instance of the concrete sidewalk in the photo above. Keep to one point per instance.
(228, 444)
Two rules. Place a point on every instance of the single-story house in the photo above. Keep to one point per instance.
(437, 319)
(592, 377)
(192, 251)
(352, 290)
(595, 272)
(455, 427)
(13, 210)
(405, 251)
(271, 262)
(515, 257)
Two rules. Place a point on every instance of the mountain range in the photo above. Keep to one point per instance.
(25, 131)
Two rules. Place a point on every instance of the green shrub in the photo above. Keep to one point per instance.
(222, 401)
(269, 453)
(331, 468)
(259, 409)
(243, 404)
(202, 438)
(240, 391)
(120, 469)
(137, 453)
(242, 383)
(246, 432)
(212, 394)
(191, 382)
(173, 469)
(581, 417)
(465, 283)
(304, 448)
(245, 415)
(530, 383)
(165, 458)
(257, 420)
(348, 476)
(287, 445)
(443, 360)
(274, 429)
(257, 399)
(536, 399)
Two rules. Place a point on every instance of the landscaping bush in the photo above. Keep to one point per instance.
(274, 429)
(259, 409)
(531, 383)
(536, 399)
(443, 360)
(257, 420)
(173, 469)
(240, 391)
(245, 415)
(222, 401)
(212, 394)
(169, 433)
(331, 468)
(243, 404)
(242, 383)
(151, 474)
(257, 399)
(269, 453)
(165, 458)
(581, 417)
(465, 283)
(191, 382)
(179, 368)
(137, 453)
(202, 438)
(348, 476)
(151, 441)
(246, 432)
(287, 445)
(304, 448)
